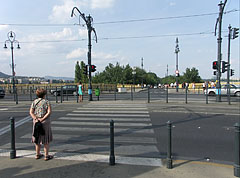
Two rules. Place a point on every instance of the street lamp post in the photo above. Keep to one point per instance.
(177, 50)
(88, 20)
(11, 39)
(219, 54)
(134, 75)
(142, 72)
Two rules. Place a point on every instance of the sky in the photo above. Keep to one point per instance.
(51, 40)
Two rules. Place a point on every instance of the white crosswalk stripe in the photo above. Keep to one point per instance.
(86, 130)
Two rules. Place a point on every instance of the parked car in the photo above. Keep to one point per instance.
(2, 92)
(234, 90)
(67, 90)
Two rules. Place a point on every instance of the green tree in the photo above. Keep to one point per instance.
(191, 76)
(77, 73)
(84, 78)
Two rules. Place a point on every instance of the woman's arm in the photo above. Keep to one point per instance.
(31, 112)
(47, 114)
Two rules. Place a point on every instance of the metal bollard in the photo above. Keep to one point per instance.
(61, 94)
(207, 94)
(30, 93)
(237, 150)
(186, 92)
(112, 156)
(46, 88)
(167, 95)
(16, 95)
(115, 93)
(77, 94)
(13, 149)
(148, 94)
(169, 149)
(56, 95)
(131, 93)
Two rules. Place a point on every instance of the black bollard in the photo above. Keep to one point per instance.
(206, 94)
(61, 94)
(167, 95)
(13, 149)
(115, 93)
(16, 95)
(169, 149)
(237, 150)
(46, 88)
(186, 92)
(148, 94)
(112, 156)
(131, 93)
(30, 93)
(77, 94)
(56, 93)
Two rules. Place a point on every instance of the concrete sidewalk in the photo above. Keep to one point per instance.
(25, 167)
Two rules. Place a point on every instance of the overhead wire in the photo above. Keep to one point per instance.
(121, 21)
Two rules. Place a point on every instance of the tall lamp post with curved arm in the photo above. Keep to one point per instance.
(11, 39)
(88, 20)
(177, 50)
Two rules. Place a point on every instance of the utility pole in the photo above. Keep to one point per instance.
(167, 70)
(177, 50)
(142, 71)
(88, 20)
(228, 67)
(219, 56)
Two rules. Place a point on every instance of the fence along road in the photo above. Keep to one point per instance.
(86, 131)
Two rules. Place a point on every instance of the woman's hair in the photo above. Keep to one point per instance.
(41, 92)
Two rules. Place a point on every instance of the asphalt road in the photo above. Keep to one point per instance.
(199, 130)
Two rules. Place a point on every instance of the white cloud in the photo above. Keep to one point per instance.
(3, 27)
(99, 4)
(172, 4)
(83, 33)
(80, 52)
(66, 34)
(62, 13)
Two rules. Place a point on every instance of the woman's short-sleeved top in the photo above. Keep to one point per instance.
(40, 107)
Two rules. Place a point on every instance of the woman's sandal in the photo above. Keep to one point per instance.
(48, 157)
(39, 156)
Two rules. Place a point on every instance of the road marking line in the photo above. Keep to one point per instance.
(17, 124)
(196, 112)
(108, 111)
(117, 130)
(111, 115)
(3, 109)
(100, 124)
(156, 162)
(112, 108)
(100, 138)
(104, 119)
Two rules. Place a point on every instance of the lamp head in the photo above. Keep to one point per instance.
(5, 46)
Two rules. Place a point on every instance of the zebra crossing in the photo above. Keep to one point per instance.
(86, 130)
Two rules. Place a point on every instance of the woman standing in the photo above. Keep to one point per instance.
(40, 112)
(80, 92)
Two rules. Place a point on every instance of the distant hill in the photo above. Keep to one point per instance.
(58, 78)
(2, 75)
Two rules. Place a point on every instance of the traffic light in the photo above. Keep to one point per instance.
(215, 65)
(93, 68)
(215, 72)
(232, 72)
(224, 66)
(85, 69)
(235, 32)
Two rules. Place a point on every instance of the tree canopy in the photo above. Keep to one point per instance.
(124, 75)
